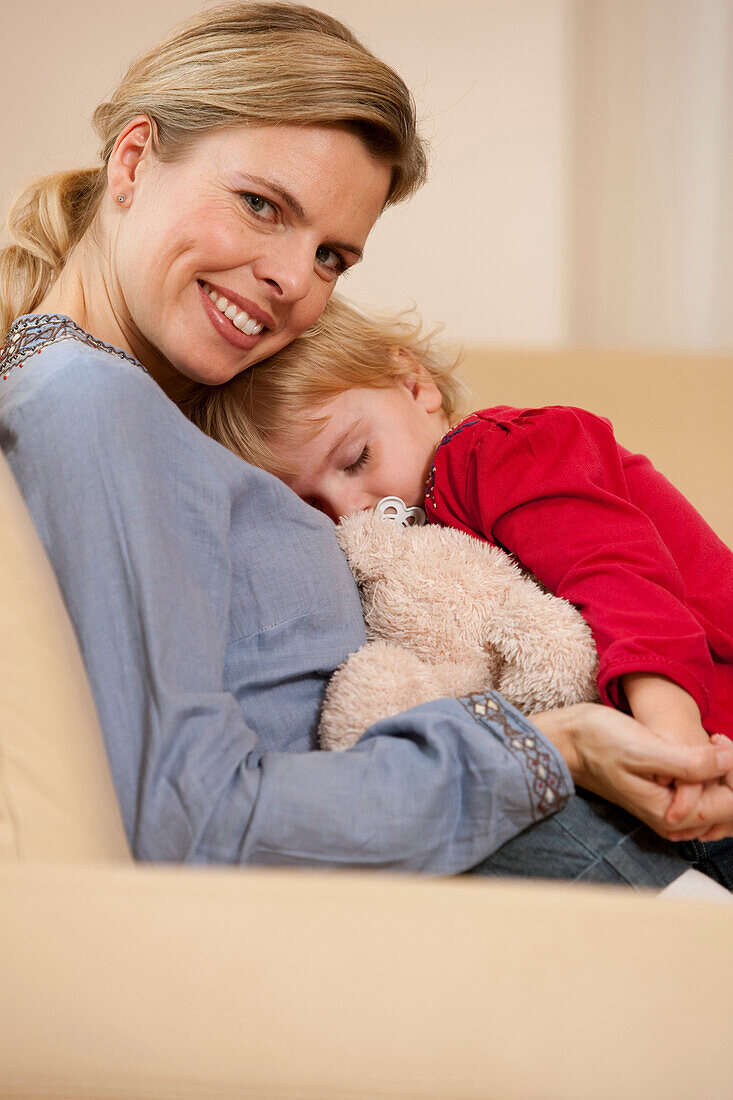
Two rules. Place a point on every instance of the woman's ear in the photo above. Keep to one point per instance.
(418, 380)
(131, 152)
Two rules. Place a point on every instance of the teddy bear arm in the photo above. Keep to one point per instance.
(381, 680)
(549, 658)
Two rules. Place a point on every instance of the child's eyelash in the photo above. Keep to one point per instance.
(361, 461)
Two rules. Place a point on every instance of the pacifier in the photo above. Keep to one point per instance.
(395, 510)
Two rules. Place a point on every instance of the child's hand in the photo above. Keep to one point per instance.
(685, 810)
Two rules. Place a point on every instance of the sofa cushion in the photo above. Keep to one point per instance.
(673, 408)
(205, 984)
(57, 800)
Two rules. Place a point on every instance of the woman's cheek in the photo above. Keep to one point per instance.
(307, 312)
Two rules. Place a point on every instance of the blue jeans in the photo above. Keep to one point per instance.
(590, 840)
(712, 857)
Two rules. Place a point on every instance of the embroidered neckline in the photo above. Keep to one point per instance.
(33, 332)
(467, 422)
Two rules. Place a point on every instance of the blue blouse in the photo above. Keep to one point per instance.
(211, 606)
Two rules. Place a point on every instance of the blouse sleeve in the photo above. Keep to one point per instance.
(548, 486)
(138, 532)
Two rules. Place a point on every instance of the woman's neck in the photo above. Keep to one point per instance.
(87, 292)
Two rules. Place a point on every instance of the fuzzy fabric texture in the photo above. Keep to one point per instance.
(447, 615)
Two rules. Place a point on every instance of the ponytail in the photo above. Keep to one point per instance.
(46, 220)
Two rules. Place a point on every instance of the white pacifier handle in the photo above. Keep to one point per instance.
(395, 510)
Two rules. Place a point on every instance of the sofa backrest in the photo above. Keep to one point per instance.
(57, 799)
(674, 408)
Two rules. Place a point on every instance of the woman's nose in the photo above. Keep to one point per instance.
(287, 268)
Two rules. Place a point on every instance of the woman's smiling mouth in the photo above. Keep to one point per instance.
(238, 325)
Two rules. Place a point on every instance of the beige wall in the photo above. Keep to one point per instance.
(482, 248)
(673, 408)
(652, 205)
(582, 155)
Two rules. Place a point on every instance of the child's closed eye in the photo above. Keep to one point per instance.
(361, 461)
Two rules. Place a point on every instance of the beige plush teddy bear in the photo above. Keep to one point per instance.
(447, 615)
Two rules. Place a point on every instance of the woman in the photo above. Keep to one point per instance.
(244, 162)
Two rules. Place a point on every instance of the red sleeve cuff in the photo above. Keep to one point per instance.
(610, 673)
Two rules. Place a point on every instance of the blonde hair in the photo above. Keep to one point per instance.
(346, 348)
(255, 63)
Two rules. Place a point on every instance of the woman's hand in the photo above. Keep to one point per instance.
(619, 759)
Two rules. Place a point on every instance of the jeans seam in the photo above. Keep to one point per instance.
(600, 858)
(596, 859)
(700, 850)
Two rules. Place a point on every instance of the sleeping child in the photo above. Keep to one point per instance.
(362, 408)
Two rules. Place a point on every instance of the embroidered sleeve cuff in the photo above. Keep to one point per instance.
(548, 780)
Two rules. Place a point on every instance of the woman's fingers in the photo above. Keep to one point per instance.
(616, 757)
(714, 808)
(690, 764)
(723, 743)
(643, 798)
(684, 800)
(717, 832)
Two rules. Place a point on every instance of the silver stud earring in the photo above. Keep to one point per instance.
(120, 198)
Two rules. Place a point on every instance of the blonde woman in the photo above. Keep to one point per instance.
(244, 161)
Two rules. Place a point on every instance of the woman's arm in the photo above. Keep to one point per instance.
(210, 607)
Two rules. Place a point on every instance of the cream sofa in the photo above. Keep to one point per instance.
(120, 980)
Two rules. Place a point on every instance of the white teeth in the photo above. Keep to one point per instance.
(239, 318)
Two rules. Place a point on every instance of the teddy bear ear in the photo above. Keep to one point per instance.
(370, 543)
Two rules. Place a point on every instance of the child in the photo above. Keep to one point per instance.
(359, 409)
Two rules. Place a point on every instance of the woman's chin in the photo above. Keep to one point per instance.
(208, 371)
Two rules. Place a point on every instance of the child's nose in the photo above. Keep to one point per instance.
(348, 503)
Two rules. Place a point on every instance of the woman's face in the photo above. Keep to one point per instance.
(224, 256)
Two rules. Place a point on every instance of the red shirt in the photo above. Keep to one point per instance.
(602, 528)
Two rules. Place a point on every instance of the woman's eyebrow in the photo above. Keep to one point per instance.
(292, 203)
(287, 197)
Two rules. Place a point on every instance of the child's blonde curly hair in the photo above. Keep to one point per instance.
(345, 349)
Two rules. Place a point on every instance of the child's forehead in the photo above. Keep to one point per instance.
(336, 411)
(357, 401)
(306, 426)
(322, 421)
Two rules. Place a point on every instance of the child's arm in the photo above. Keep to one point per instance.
(665, 708)
(669, 711)
(553, 488)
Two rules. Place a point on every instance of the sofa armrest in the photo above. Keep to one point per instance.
(57, 800)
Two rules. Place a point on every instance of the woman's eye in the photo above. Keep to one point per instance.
(359, 462)
(260, 206)
(330, 259)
